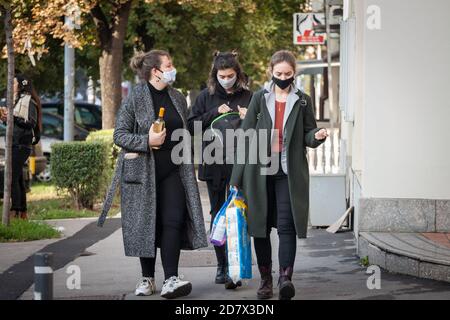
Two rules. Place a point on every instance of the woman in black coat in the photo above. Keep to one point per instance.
(25, 133)
(226, 92)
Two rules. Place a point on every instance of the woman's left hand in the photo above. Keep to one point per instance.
(321, 134)
(242, 112)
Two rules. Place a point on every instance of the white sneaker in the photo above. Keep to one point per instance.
(146, 287)
(174, 287)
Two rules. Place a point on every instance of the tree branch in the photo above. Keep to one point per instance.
(120, 21)
(104, 31)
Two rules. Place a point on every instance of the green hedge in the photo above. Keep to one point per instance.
(106, 136)
(82, 169)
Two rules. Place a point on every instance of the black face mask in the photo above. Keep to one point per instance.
(283, 84)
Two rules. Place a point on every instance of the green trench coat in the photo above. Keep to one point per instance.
(299, 130)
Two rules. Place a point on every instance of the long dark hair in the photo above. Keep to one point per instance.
(222, 61)
(26, 87)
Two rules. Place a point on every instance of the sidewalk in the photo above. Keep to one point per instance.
(326, 268)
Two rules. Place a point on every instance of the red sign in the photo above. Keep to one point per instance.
(304, 28)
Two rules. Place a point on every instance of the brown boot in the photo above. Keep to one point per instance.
(23, 215)
(13, 214)
(265, 290)
(286, 288)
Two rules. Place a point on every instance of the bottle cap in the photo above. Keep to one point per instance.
(161, 112)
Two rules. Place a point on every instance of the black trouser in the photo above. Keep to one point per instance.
(279, 204)
(170, 222)
(20, 155)
(217, 196)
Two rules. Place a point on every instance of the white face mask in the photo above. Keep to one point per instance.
(169, 77)
(227, 84)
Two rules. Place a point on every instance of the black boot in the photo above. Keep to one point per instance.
(229, 284)
(286, 288)
(221, 274)
(221, 264)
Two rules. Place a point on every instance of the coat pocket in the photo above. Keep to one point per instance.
(133, 168)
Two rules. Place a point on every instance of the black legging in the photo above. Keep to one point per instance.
(170, 221)
(20, 155)
(279, 204)
(217, 196)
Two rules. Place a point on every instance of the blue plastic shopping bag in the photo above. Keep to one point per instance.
(218, 231)
(237, 238)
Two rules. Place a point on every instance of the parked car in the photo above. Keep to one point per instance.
(87, 115)
(53, 132)
(53, 127)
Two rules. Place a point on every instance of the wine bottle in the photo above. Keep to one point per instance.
(159, 124)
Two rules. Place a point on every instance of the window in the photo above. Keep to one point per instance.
(52, 127)
(53, 108)
(85, 117)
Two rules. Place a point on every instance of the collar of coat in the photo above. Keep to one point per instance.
(294, 95)
(144, 104)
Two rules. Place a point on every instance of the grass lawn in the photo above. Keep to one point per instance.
(45, 203)
(21, 230)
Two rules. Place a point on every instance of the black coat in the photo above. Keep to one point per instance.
(25, 130)
(205, 109)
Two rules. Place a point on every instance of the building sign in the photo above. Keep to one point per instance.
(303, 28)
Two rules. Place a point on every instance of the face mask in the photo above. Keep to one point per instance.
(283, 84)
(169, 77)
(227, 84)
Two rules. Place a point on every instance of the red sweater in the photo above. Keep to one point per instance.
(277, 142)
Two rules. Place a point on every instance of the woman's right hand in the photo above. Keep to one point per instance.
(224, 108)
(155, 139)
(3, 114)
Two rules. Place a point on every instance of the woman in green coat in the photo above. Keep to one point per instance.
(276, 184)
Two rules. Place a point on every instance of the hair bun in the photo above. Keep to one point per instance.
(137, 61)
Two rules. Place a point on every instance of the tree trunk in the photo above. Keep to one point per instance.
(111, 63)
(111, 85)
(10, 121)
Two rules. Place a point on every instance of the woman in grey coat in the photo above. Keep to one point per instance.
(160, 201)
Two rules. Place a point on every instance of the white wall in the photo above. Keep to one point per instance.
(358, 10)
(406, 105)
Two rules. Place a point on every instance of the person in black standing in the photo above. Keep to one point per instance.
(226, 92)
(26, 132)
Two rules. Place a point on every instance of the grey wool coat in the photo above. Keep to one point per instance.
(135, 173)
(299, 130)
